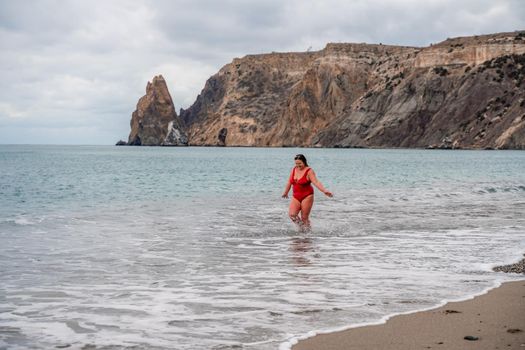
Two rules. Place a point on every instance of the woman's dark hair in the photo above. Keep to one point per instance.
(301, 158)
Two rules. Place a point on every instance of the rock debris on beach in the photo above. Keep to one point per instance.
(471, 338)
(518, 267)
(514, 330)
(452, 312)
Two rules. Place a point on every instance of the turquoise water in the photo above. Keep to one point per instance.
(191, 248)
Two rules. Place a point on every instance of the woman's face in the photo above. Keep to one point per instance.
(299, 164)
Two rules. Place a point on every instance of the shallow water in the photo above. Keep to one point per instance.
(191, 248)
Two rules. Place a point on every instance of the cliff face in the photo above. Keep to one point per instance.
(446, 107)
(461, 93)
(155, 122)
(329, 88)
(240, 105)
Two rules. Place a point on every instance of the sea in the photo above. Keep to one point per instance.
(105, 247)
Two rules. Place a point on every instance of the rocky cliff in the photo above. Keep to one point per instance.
(155, 122)
(466, 92)
(461, 93)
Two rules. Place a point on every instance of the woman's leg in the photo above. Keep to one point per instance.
(306, 207)
(293, 212)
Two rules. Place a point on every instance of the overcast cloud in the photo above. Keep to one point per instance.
(72, 71)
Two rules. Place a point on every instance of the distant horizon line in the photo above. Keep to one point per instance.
(53, 144)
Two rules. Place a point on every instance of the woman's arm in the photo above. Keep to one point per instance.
(311, 176)
(287, 187)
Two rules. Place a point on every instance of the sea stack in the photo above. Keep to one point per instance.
(155, 121)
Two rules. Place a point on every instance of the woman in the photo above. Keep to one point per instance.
(303, 192)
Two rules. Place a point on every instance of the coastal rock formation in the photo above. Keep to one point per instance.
(461, 93)
(457, 106)
(155, 122)
(465, 92)
(518, 267)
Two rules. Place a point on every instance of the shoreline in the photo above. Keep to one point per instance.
(495, 318)
(315, 147)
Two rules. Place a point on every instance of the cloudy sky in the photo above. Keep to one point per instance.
(72, 71)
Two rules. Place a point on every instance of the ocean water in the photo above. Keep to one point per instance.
(191, 248)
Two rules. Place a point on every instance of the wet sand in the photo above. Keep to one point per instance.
(495, 320)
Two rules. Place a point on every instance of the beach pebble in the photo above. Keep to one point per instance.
(470, 337)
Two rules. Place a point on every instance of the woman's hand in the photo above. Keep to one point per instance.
(284, 195)
(328, 193)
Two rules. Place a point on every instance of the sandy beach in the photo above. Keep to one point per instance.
(495, 320)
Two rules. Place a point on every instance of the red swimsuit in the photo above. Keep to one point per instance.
(301, 187)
